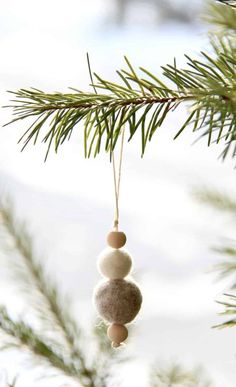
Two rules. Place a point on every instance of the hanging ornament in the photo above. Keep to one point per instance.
(117, 299)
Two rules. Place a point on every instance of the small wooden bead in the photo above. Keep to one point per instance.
(117, 333)
(114, 263)
(116, 239)
(115, 345)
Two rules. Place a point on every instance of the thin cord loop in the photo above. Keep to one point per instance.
(117, 179)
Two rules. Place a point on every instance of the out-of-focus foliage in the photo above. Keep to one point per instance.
(227, 267)
(61, 344)
(165, 10)
(222, 18)
(231, 3)
(177, 376)
(216, 200)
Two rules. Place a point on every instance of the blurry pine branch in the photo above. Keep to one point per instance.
(12, 384)
(60, 346)
(20, 335)
(61, 343)
(227, 267)
(222, 17)
(142, 101)
(4, 379)
(231, 3)
(164, 10)
(217, 200)
(176, 375)
(229, 304)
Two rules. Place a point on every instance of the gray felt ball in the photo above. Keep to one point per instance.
(118, 301)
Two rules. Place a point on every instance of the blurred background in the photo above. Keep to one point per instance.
(68, 202)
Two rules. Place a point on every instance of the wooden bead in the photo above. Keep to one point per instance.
(116, 239)
(117, 333)
(117, 301)
(115, 345)
(114, 264)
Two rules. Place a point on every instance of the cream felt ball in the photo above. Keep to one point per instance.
(118, 301)
(114, 264)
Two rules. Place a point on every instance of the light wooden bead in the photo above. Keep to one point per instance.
(115, 345)
(116, 239)
(114, 264)
(117, 333)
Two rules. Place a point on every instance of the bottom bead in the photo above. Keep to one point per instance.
(117, 333)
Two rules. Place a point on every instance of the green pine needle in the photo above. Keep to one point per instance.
(142, 101)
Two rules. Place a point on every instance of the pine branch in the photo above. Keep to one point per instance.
(217, 200)
(231, 3)
(177, 375)
(13, 383)
(102, 115)
(51, 308)
(224, 203)
(226, 268)
(141, 102)
(20, 335)
(56, 310)
(221, 16)
(229, 305)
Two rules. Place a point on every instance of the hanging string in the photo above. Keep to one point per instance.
(117, 178)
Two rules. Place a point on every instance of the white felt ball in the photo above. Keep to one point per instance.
(114, 264)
